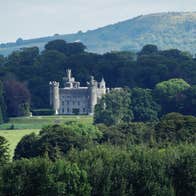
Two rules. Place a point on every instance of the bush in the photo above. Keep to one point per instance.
(128, 134)
(54, 141)
(176, 128)
(115, 171)
(4, 151)
(43, 177)
(42, 112)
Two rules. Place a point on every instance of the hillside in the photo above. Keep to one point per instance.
(167, 30)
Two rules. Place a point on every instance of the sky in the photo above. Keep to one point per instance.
(37, 18)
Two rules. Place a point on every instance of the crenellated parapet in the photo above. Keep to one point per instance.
(54, 84)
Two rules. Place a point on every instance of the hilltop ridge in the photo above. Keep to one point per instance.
(166, 30)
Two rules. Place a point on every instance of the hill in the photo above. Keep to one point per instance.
(167, 30)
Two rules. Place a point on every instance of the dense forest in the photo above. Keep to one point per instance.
(140, 159)
(165, 79)
(142, 141)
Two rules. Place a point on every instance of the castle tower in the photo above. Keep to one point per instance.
(54, 96)
(92, 88)
(68, 74)
(102, 87)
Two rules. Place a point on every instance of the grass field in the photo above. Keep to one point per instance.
(14, 136)
(37, 122)
(16, 128)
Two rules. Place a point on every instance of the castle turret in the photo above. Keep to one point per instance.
(92, 87)
(69, 81)
(102, 87)
(68, 74)
(54, 96)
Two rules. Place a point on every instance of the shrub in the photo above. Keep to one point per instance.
(43, 177)
(42, 112)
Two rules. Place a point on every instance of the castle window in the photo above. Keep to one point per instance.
(84, 110)
(78, 103)
(67, 102)
(68, 110)
(63, 111)
(62, 102)
(73, 102)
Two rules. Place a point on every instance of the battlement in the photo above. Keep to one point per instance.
(54, 84)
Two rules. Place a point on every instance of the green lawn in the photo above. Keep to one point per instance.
(14, 136)
(16, 128)
(37, 122)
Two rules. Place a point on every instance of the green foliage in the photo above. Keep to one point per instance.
(3, 114)
(149, 49)
(2, 60)
(183, 170)
(143, 106)
(119, 69)
(56, 140)
(114, 108)
(4, 151)
(128, 161)
(14, 136)
(84, 129)
(185, 102)
(171, 87)
(128, 134)
(176, 128)
(138, 170)
(126, 105)
(42, 112)
(165, 92)
(66, 48)
(26, 147)
(17, 98)
(43, 177)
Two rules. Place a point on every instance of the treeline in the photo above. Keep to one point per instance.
(126, 159)
(30, 71)
(146, 105)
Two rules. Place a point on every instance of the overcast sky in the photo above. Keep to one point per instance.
(37, 18)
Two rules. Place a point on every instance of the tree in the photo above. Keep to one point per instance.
(176, 128)
(50, 66)
(17, 98)
(119, 69)
(26, 147)
(128, 134)
(4, 151)
(165, 91)
(53, 141)
(143, 106)
(183, 170)
(118, 171)
(3, 112)
(2, 60)
(149, 49)
(59, 45)
(43, 177)
(65, 48)
(114, 108)
(185, 102)
(23, 60)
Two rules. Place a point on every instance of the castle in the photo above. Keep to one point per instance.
(74, 99)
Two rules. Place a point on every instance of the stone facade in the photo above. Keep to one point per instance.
(74, 99)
